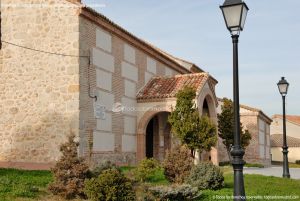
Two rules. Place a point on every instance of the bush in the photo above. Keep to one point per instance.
(101, 167)
(175, 193)
(206, 176)
(111, 185)
(297, 161)
(146, 169)
(69, 172)
(177, 164)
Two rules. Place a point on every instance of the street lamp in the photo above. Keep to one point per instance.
(235, 12)
(283, 86)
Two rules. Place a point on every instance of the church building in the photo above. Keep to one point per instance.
(66, 68)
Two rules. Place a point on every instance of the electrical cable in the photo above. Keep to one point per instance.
(59, 54)
(42, 51)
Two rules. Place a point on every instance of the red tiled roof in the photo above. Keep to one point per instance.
(291, 118)
(167, 87)
(277, 141)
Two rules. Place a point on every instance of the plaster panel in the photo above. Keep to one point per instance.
(129, 53)
(105, 124)
(103, 60)
(106, 99)
(103, 40)
(129, 125)
(130, 88)
(128, 143)
(129, 71)
(151, 65)
(104, 79)
(103, 141)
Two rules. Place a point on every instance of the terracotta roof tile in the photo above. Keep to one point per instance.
(277, 141)
(291, 118)
(167, 87)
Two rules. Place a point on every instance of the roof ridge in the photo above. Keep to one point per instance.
(288, 118)
(166, 87)
(169, 56)
(191, 74)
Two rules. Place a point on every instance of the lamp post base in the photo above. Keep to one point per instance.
(238, 163)
(286, 172)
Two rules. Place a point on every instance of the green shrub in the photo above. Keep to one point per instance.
(182, 192)
(206, 176)
(111, 185)
(297, 161)
(101, 167)
(177, 164)
(146, 169)
(69, 172)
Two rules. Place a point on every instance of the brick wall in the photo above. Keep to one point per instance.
(118, 70)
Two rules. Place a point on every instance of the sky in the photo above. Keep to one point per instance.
(194, 30)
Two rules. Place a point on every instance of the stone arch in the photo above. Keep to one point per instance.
(142, 126)
(208, 96)
(211, 103)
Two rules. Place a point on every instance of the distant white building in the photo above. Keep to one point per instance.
(293, 137)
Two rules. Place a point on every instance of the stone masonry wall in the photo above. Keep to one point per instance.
(39, 92)
(258, 151)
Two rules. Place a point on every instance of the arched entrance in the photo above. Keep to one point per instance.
(158, 136)
(206, 106)
(154, 134)
(159, 95)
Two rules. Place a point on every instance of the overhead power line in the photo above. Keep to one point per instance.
(43, 51)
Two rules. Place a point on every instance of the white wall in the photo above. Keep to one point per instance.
(292, 129)
(293, 155)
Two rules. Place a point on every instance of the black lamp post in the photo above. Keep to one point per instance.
(283, 86)
(235, 12)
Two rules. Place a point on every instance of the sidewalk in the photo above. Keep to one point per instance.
(273, 171)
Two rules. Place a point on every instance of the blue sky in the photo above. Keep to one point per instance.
(195, 31)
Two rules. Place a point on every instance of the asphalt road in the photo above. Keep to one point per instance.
(273, 171)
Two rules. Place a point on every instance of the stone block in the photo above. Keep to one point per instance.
(104, 79)
(148, 76)
(103, 60)
(168, 71)
(73, 88)
(129, 106)
(128, 143)
(129, 125)
(129, 53)
(130, 88)
(105, 124)
(103, 141)
(103, 40)
(106, 99)
(151, 65)
(129, 71)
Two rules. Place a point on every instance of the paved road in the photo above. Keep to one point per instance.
(273, 171)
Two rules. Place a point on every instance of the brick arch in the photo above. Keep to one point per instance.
(142, 126)
(207, 94)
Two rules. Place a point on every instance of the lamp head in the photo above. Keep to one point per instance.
(234, 13)
(283, 86)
